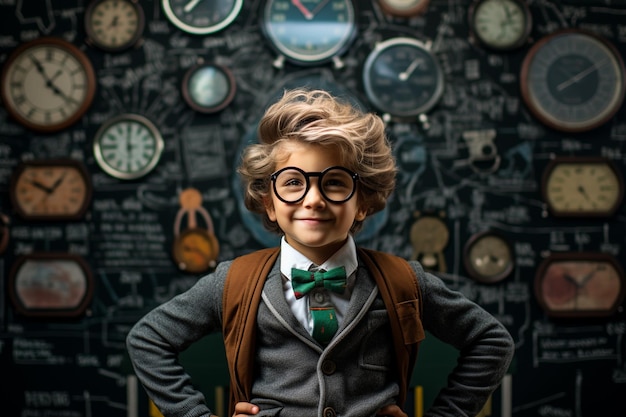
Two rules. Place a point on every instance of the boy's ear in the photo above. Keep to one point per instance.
(361, 214)
(269, 209)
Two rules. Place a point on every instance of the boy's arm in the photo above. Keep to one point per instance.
(485, 347)
(156, 340)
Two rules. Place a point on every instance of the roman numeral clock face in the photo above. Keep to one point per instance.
(128, 146)
(47, 84)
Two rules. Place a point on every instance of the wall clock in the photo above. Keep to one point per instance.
(128, 146)
(309, 33)
(500, 24)
(573, 80)
(51, 189)
(195, 250)
(201, 17)
(114, 25)
(576, 284)
(404, 8)
(402, 77)
(50, 285)
(47, 84)
(488, 257)
(582, 187)
(429, 236)
(209, 88)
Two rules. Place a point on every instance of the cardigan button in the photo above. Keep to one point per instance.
(329, 367)
(329, 412)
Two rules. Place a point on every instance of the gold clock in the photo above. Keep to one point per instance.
(114, 25)
(582, 187)
(429, 236)
(47, 84)
(488, 257)
(51, 189)
(195, 250)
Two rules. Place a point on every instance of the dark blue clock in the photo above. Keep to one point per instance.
(309, 32)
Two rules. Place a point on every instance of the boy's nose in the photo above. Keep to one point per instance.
(313, 197)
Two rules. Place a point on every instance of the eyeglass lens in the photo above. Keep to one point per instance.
(336, 185)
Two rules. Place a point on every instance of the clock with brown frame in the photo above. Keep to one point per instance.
(580, 284)
(50, 284)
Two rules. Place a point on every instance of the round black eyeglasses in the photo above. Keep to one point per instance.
(336, 184)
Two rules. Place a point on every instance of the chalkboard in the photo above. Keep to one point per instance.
(474, 162)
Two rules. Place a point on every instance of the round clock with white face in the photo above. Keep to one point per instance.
(114, 25)
(201, 17)
(47, 84)
(128, 146)
(500, 24)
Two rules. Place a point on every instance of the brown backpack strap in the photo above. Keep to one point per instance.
(242, 295)
(400, 291)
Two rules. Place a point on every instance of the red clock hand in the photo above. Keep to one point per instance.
(307, 14)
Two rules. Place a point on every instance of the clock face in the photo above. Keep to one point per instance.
(500, 24)
(573, 81)
(404, 8)
(50, 284)
(307, 32)
(582, 187)
(402, 77)
(195, 250)
(579, 285)
(209, 88)
(128, 146)
(114, 25)
(201, 17)
(488, 257)
(47, 84)
(57, 189)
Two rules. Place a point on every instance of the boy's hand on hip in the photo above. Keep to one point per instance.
(245, 409)
(391, 411)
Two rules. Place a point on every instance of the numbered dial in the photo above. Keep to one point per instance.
(579, 285)
(404, 8)
(47, 84)
(309, 32)
(582, 187)
(114, 25)
(58, 189)
(402, 77)
(201, 17)
(195, 250)
(573, 81)
(209, 88)
(128, 146)
(500, 24)
(488, 257)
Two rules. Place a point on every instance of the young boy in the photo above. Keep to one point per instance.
(320, 168)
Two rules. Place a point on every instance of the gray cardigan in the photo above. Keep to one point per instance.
(353, 376)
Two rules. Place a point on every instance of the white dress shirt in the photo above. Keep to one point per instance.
(291, 258)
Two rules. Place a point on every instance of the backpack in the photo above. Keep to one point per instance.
(396, 282)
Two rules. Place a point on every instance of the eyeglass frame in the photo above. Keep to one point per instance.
(319, 175)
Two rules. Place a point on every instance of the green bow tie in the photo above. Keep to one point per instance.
(304, 281)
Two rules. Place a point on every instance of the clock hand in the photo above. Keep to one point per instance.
(579, 76)
(307, 14)
(58, 181)
(114, 22)
(319, 7)
(581, 190)
(191, 5)
(39, 185)
(404, 75)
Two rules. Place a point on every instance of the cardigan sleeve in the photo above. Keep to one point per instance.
(485, 347)
(156, 340)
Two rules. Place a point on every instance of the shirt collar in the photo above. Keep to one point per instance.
(291, 258)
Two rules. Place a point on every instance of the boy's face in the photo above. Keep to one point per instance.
(314, 226)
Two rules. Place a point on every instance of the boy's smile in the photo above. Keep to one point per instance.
(314, 226)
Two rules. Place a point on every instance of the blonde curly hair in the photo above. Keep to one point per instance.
(316, 117)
